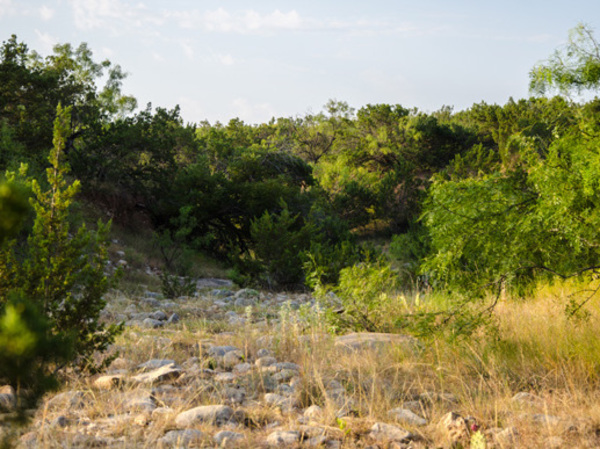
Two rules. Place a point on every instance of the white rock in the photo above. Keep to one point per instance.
(283, 438)
(162, 374)
(407, 416)
(227, 438)
(182, 437)
(314, 412)
(210, 414)
(387, 432)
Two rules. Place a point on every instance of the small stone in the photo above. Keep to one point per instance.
(152, 324)
(154, 364)
(285, 375)
(150, 302)
(211, 414)
(242, 368)
(139, 401)
(219, 351)
(454, 427)
(158, 315)
(313, 413)
(283, 438)
(288, 366)
(265, 361)
(109, 382)
(234, 395)
(221, 293)
(225, 438)
(174, 318)
(225, 377)
(182, 437)
(277, 400)
(406, 416)
(263, 352)
(318, 441)
(387, 432)
(232, 358)
(69, 399)
(8, 398)
(245, 302)
(162, 374)
(246, 293)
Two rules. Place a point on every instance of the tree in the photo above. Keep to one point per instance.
(60, 269)
(573, 68)
(29, 349)
(509, 228)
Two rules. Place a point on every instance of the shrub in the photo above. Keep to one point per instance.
(365, 296)
(61, 270)
(277, 242)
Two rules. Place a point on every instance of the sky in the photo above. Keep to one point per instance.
(255, 60)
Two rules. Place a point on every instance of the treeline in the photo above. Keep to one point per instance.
(460, 195)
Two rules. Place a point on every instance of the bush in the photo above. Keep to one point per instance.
(365, 296)
(61, 270)
(29, 352)
(277, 243)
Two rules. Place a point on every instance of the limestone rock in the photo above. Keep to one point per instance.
(283, 438)
(265, 361)
(407, 416)
(139, 401)
(182, 437)
(277, 400)
(8, 398)
(220, 351)
(454, 427)
(162, 374)
(158, 315)
(210, 414)
(154, 364)
(232, 358)
(69, 400)
(313, 413)
(226, 438)
(387, 432)
(109, 382)
(152, 323)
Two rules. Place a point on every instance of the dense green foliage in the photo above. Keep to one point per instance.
(61, 270)
(30, 349)
(488, 198)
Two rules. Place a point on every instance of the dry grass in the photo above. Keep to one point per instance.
(535, 348)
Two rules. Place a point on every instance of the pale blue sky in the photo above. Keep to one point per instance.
(255, 60)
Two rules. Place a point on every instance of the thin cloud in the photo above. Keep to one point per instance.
(244, 22)
(6, 8)
(114, 15)
(46, 42)
(226, 59)
(46, 13)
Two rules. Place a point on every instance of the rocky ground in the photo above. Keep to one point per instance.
(239, 368)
